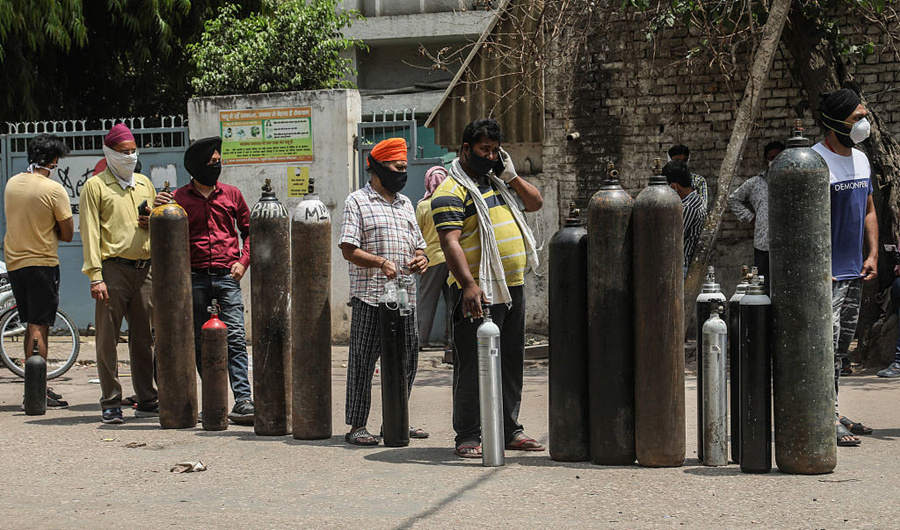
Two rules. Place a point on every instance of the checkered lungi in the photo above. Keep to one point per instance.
(365, 349)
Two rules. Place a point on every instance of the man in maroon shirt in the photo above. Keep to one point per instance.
(216, 212)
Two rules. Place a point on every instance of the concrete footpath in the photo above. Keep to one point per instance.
(66, 470)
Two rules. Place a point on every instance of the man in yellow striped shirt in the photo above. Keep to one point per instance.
(116, 245)
(456, 220)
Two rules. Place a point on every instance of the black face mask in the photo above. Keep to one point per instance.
(393, 181)
(479, 164)
(209, 175)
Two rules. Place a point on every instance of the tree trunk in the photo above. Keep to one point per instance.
(818, 68)
(746, 113)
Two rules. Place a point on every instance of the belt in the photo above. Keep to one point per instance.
(136, 263)
(213, 271)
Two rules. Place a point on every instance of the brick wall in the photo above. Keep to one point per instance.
(631, 102)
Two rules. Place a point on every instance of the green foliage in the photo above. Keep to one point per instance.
(98, 58)
(296, 45)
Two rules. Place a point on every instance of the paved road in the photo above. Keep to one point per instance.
(67, 470)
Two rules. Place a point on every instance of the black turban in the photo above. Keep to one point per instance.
(198, 154)
(837, 106)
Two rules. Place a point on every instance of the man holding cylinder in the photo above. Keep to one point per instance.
(488, 245)
(219, 228)
(379, 236)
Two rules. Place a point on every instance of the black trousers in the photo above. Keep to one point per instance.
(511, 321)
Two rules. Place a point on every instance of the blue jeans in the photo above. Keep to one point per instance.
(895, 292)
(206, 286)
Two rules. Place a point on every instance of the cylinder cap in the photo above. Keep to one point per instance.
(797, 140)
(574, 217)
(657, 178)
(268, 194)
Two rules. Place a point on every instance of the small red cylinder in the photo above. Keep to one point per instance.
(214, 371)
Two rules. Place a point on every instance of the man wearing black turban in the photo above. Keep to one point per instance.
(853, 223)
(219, 259)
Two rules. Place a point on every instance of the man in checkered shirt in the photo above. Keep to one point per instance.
(379, 237)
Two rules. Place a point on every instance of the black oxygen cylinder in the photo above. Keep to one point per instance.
(659, 326)
(569, 436)
(35, 399)
(802, 347)
(756, 380)
(710, 296)
(270, 298)
(394, 390)
(176, 362)
(610, 324)
(311, 319)
(734, 362)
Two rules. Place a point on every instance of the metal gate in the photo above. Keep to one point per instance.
(161, 145)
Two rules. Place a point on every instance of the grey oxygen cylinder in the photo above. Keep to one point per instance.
(710, 295)
(802, 347)
(490, 392)
(714, 396)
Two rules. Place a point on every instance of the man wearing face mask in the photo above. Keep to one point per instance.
(488, 246)
(750, 204)
(219, 231)
(854, 227)
(379, 236)
(38, 217)
(116, 244)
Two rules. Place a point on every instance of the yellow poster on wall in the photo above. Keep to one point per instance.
(266, 136)
(298, 181)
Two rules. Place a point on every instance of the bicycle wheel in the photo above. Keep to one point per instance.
(63, 344)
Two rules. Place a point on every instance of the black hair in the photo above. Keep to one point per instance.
(487, 128)
(772, 145)
(677, 171)
(44, 148)
(679, 149)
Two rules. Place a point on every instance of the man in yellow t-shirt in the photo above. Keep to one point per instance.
(38, 216)
(457, 223)
(116, 245)
(433, 282)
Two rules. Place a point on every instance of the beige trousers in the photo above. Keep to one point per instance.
(129, 297)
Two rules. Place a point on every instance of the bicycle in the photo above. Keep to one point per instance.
(63, 341)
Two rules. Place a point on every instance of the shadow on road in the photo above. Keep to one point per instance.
(724, 471)
(884, 434)
(67, 420)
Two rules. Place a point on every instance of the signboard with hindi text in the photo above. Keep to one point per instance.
(266, 136)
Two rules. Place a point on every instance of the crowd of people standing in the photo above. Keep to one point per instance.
(467, 237)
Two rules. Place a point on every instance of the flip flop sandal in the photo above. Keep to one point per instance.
(418, 433)
(468, 450)
(523, 443)
(842, 433)
(361, 437)
(854, 427)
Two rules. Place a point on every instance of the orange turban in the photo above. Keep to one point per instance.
(389, 150)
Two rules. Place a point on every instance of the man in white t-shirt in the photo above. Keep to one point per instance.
(853, 222)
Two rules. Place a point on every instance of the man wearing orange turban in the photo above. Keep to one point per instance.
(379, 238)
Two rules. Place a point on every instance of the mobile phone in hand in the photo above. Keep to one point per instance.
(143, 209)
